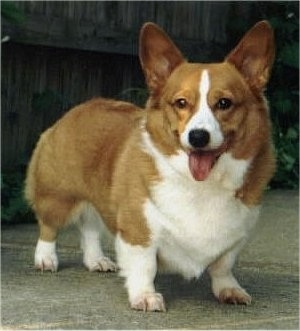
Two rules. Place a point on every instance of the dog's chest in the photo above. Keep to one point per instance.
(193, 223)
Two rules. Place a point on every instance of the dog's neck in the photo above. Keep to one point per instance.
(161, 133)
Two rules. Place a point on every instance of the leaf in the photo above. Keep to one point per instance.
(12, 13)
(290, 55)
(292, 134)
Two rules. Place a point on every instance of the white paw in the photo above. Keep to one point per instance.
(103, 264)
(149, 302)
(45, 257)
(234, 296)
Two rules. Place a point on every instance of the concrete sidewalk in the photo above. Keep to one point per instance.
(73, 298)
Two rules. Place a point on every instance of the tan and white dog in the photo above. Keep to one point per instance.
(179, 183)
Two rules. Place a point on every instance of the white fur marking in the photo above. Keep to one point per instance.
(90, 225)
(230, 171)
(45, 257)
(138, 266)
(174, 164)
(204, 118)
(188, 229)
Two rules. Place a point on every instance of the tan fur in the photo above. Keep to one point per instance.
(131, 188)
(241, 78)
(94, 153)
(123, 161)
(246, 128)
(82, 159)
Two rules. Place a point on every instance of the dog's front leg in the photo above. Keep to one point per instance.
(224, 285)
(139, 266)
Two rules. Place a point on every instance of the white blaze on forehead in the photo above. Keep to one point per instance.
(204, 87)
(203, 117)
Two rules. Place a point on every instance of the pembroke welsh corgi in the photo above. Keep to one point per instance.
(179, 183)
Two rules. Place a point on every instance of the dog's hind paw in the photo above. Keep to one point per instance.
(45, 257)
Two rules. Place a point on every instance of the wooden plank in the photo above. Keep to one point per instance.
(109, 29)
(65, 77)
(113, 26)
(55, 32)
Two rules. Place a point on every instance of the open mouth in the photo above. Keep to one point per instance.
(201, 162)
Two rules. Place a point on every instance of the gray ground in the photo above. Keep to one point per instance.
(73, 298)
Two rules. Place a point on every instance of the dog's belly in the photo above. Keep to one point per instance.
(193, 225)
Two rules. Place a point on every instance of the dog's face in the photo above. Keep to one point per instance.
(209, 107)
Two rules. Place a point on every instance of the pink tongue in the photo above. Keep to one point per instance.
(200, 164)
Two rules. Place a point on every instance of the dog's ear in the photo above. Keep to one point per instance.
(254, 55)
(158, 56)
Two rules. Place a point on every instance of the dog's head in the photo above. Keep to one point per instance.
(214, 107)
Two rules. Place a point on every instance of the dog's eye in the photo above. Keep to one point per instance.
(224, 103)
(181, 103)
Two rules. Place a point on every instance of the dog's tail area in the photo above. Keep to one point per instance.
(31, 175)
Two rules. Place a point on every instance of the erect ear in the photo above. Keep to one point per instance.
(158, 56)
(254, 55)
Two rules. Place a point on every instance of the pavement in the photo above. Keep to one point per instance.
(74, 298)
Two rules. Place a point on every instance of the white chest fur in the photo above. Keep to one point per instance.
(192, 222)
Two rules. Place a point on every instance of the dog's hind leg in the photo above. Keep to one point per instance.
(53, 213)
(45, 257)
(91, 227)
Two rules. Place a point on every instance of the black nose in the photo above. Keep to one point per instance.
(198, 138)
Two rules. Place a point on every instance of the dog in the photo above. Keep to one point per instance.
(178, 183)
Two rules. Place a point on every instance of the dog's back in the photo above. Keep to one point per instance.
(75, 155)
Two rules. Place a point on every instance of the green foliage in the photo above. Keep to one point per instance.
(284, 95)
(13, 205)
(287, 146)
(11, 13)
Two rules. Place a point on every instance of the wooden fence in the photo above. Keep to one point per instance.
(67, 52)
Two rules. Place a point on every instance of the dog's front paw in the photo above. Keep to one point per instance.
(45, 257)
(149, 302)
(234, 296)
(102, 264)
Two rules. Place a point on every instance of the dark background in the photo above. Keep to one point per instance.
(56, 54)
